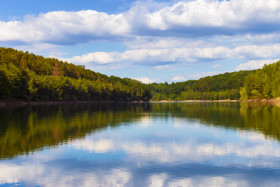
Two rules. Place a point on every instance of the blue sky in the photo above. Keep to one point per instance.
(151, 40)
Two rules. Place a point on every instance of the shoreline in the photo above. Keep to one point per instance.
(275, 101)
(190, 101)
(34, 103)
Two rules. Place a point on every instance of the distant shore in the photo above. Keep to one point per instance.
(272, 101)
(23, 103)
(275, 101)
(189, 101)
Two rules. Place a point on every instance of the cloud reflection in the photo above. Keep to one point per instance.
(46, 175)
(118, 158)
(99, 146)
(250, 146)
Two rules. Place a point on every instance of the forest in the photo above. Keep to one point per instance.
(243, 85)
(218, 87)
(263, 84)
(28, 77)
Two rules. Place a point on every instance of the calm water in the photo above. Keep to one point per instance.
(158, 144)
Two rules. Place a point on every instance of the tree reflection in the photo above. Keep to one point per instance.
(24, 130)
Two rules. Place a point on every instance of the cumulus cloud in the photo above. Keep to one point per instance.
(203, 74)
(96, 57)
(257, 51)
(179, 78)
(162, 67)
(159, 57)
(156, 34)
(263, 38)
(145, 80)
(159, 42)
(62, 27)
(217, 66)
(216, 17)
(194, 18)
(255, 64)
(195, 76)
(157, 180)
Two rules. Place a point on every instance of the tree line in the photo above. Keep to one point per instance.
(29, 77)
(242, 85)
(217, 87)
(263, 84)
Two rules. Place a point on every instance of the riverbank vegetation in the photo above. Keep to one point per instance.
(263, 84)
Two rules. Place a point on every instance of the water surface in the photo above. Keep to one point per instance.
(156, 144)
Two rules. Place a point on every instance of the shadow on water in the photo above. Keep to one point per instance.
(24, 130)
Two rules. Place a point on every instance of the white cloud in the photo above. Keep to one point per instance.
(257, 51)
(203, 74)
(157, 180)
(162, 67)
(145, 80)
(64, 27)
(217, 66)
(255, 64)
(156, 34)
(159, 42)
(263, 38)
(230, 15)
(96, 57)
(179, 78)
(191, 18)
(158, 57)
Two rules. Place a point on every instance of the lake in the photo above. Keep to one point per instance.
(140, 144)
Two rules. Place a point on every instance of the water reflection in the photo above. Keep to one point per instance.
(25, 129)
(167, 144)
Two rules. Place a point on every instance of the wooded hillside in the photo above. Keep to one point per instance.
(29, 77)
(263, 84)
(218, 87)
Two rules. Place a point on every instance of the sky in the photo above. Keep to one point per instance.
(147, 40)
